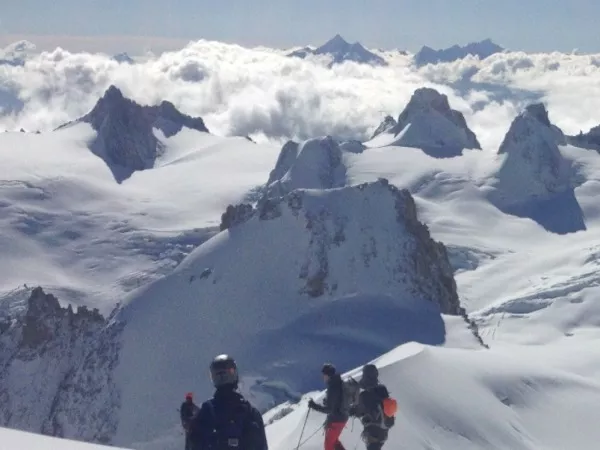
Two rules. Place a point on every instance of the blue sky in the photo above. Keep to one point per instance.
(532, 25)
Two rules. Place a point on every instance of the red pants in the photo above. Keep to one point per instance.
(333, 432)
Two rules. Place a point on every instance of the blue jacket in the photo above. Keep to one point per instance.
(202, 427)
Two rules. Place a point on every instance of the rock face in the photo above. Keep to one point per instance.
(590, 140)
(56, 371)
(125, 137)
(428, 123)
(340, 51)
(327, 221)
(123, 58)
(313, 164)
(483, 49)
(126, 140)
(534, 166)
(388, 124)
(535, 180)
(171, 121)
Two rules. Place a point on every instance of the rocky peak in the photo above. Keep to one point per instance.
(533, 165)
(328, 216)
(428, 122)
(335, 44)
(483, 49)
(56, 376)
(538, 112)
(590, 140)
(123, 58)
(43, 310)
(170, 120)
(126, 140)
(312, 164)
(340, 50)
(388, 124)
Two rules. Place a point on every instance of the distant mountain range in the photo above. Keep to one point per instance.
(340, 50)
(482, 49)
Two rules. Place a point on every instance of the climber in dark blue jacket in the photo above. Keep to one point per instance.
(228, 420)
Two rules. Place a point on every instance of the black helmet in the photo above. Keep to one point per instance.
(328, 369)
(370, 375)
(223, 371)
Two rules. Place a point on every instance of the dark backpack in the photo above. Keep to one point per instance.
(350, 394)
(234, 427)
(381, 409)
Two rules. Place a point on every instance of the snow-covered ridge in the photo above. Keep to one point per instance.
(20, 440)
(284, 283)
(454, 398)
(483, 49)
(340, 51)
(589, 140)
(428, 122)
(56, 366)
(313, 164)
(429, 260)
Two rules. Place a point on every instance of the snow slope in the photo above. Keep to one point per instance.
(510, 397)
(19, 440)
(311, 272)
(70, 227)
(278, 287)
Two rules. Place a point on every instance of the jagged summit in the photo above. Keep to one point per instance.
(334, 45)
(534, 171)
(534, 165)
(312, 164)
(482, 49)
(428, 122)
(387, 124)
(123, 58)
(126, 140)
(589, 140)
(56, 371)
(170, 120)
(340, 50)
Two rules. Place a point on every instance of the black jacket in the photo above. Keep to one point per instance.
(225, 399)
(187, 411)
(368, 411)
(333, 403)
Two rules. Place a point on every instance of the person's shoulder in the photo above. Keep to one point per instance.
(383, 390)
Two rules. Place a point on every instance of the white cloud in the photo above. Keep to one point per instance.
(260, 92)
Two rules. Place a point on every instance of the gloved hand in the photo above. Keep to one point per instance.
(311, 404)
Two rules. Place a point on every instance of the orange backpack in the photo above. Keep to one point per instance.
(390, 407)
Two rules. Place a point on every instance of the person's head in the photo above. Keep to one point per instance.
(189, 397)
(370, 376)
(223, 372)
(328, 371)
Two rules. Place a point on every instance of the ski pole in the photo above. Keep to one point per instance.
(303, 427)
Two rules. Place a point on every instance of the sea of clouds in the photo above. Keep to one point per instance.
(264, 94)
